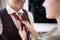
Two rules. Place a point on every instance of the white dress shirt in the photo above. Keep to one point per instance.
(16, 22)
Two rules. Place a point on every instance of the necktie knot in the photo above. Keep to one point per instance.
(20, 20)
(17, 17)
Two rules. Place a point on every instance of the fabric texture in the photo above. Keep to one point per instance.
(10, 32)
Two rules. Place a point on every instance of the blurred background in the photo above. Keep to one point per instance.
(34, 6)
(41, 23)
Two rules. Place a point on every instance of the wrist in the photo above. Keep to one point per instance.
(34, 34)
(31, 29)
(24, 39)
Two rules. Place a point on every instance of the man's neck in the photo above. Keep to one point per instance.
(15, 8)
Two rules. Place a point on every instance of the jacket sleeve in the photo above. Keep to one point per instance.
(2, 37)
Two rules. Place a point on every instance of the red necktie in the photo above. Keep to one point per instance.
(20, 20)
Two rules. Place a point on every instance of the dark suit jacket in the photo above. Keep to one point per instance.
(10, 32)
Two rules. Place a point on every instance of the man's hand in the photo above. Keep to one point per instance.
(22, 33)
(28, 25)
(31, 29)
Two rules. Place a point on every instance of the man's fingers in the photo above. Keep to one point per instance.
(23, 22)
(26, 23)
(20, 29)
(23, 28)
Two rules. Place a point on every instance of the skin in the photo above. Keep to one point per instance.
(53, 12)
(17, 5)
(23, 33)
(52, 8)
(31, 29)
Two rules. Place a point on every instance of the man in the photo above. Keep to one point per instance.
(10, 23)
(53, 12)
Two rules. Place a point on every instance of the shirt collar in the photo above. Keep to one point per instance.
(10, 10)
